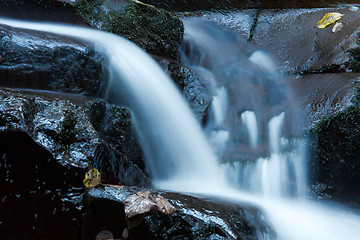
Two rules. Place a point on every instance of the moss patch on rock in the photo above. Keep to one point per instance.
(154, 30)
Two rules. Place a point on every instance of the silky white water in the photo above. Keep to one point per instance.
(249, 120)
(178, 154)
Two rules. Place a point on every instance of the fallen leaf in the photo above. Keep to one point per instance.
(328, 19)
(164, 205)
(138, 203)
(92, 178)
(118, 187)
(142, 202)
(337, 27)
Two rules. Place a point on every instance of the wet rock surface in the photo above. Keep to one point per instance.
(64, 126)
(192, 218)
(193, 5)
(293, 39)
(47, 143)
(44, 61)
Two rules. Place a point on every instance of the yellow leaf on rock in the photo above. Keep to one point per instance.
(92, 178)
(328, 19)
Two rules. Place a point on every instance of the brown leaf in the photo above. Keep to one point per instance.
(142, 202)
(138, 203)
(118, 187)
(163, 205)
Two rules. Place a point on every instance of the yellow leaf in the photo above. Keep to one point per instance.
(92, 178)
(328, 19)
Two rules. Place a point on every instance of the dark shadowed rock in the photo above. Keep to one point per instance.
(47, 143)
(40, 10)
(335, 145)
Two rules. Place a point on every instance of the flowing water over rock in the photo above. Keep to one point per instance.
(178, 155)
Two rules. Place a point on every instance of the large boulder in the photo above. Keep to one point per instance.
(111, 208)
(77, 132)
(47, 143)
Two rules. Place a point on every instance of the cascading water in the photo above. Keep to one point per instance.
(172, 140)
(178, 155)
(249, 120)
(277, 180)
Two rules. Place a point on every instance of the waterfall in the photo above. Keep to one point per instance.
(178, 155)
(174, 145)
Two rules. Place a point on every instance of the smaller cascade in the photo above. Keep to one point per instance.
(249, 120)
(275, 125)
(218, 135)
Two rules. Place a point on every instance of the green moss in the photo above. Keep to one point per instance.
(90, 10)
(155, 30)
(152, 29)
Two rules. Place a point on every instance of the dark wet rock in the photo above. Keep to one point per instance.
(335, 150)
(193, 5)
(322, 95)
(197, 94)
(44, 61)
(48, 10)
(321, 191)
(63, 126)
(193, 218)
(355, 55)
(47, 143)
(194, 90)
(292, 38)
(155, 30)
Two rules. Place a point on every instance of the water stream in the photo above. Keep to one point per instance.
(179, 155)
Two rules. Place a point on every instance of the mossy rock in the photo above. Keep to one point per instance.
(154, 30)
(336, 149)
